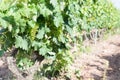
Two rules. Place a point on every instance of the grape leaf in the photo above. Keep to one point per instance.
(21, 43)
(1, 52)
(43, 50)
(41, 33)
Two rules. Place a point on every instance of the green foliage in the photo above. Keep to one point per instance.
(51, 70)
(47, 26)
(21, 43)
(1, 52)
(24, 63)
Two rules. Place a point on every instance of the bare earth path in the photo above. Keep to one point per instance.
(102, 63)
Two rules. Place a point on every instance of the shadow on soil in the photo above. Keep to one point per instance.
(113, 70)
(5, 73)
(116, 44)
(113, 73)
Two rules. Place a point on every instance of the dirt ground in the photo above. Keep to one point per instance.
(102, 63)
(5, 73)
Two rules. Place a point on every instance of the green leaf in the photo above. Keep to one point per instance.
(1, 52)
(54, 2)
(10, 28)
(4, 23)
(52, 55)
(31, 23)
(37, 45)
(33, 31)
(47, 29)
(55, 40)
(41, 33)
(69, 30)
(21, 43)
(45, 11)
(43, 50)
(58, 20)
(62, 38)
